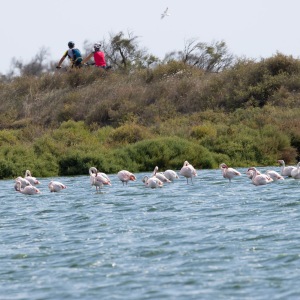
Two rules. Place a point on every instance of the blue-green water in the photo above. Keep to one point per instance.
(209, 240)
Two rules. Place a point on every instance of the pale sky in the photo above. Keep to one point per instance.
(251, 28)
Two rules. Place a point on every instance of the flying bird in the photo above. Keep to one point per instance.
(165, 13)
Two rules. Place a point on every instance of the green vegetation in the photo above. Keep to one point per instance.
(63, 123)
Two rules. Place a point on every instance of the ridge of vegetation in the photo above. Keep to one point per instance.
(61, 123)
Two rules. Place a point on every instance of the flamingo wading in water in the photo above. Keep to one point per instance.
(296, 172)
(171, 175)
(229, 172)
(97, 179)
(188, 171)
(259, 179)
(274, 175)
(152, 182)
(27, 190)
(160, 176)
(56, 186)
(24, 182)
(285, 170)
(30, 178)
(126, 176)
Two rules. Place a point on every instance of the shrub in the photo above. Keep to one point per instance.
(6, 169)
(78, 163)
(203, 131)
(167, 153)
(129, 133)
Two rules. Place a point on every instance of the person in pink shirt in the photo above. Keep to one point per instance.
(99, 57)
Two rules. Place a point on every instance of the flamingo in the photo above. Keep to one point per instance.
(296, 172)
(285, 170)
(171, 175)
(105, 176)
(160, 176)
(250, 173)
(259, 179)
(274, 175)
(32, 180)
(24, 182)
(56, 186)
(188, 171)
(97, 179)
(126, 176)
(152, 182)
(229, 172)
(28, 189)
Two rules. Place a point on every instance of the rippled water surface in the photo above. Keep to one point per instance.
(209, 240)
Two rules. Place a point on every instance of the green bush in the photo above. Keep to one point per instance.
(165, 153)
(6, 169)
(129, 133)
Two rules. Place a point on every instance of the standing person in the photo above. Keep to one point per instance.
(99, 57)
(74, 56)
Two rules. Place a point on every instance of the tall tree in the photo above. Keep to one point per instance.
(124, 52)
(36, 66)
(213, 57)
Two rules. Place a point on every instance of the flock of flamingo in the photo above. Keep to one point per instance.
(27, 184)
(261, 179)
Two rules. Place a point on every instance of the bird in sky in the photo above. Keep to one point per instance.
(165, 13)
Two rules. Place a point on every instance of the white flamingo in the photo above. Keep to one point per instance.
(160, 176)
(30, 178)
(97, 179)
(188, 171)
(259, 179)
(296, 172)
(126, 176)
(228, 172)
(56, 186)
(105, 176)
(24, 182)
(171, 175)
(28, 189)
(274, 175)
(152, 182)
(251, 172)
(285, 170)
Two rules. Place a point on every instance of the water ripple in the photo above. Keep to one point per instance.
(208, 240)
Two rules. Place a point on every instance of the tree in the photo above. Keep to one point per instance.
(36, 66)
(213, 57)
(124, 52)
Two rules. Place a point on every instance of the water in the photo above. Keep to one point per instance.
(209, 240)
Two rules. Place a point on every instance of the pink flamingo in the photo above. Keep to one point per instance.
(32, 180)
(259, 179)
(229, 172)
(24, 182)
(126, 176)
(285, 170)
(160, 176)
(274, 175)
(171, 175)
(188, 171)
(97, 179)
(28, 189)
(56, 186)
(296, 172)
(152, 182)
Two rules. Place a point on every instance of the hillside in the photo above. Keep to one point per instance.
(60, 123)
